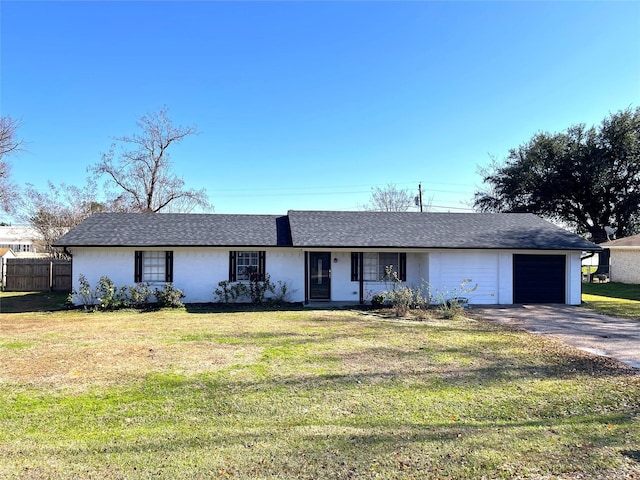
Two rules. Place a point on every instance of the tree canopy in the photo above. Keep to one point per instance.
(586, 178)
(141, 177)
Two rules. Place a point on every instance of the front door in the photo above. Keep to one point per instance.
(319, 276)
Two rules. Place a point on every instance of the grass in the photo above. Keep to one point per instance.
(17, 302)
(617, 299)
(305, 394)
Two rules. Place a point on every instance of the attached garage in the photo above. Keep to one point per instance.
(539, 278)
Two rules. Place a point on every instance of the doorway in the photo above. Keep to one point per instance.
(319, 276)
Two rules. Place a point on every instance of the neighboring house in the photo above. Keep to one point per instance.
(624, 260)
(5, 253)
(22, 240)
(335, 256)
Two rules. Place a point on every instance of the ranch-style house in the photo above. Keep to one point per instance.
(335, 256)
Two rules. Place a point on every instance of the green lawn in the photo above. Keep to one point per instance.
(305, 394)
(617, 299)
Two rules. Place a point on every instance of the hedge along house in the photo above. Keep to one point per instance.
(335, 256)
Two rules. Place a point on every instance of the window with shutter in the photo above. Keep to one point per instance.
(374, 265)
(153, 266)
(245, 266)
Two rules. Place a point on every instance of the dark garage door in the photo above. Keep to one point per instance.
(539, 278)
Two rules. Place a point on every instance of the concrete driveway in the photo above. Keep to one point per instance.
(617, 338)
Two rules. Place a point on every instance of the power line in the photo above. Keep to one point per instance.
(326, 187)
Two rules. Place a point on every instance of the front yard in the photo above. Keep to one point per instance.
(305, 394)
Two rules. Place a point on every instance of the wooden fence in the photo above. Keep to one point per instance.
(38, 274)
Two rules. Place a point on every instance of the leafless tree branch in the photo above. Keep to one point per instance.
(142, 174)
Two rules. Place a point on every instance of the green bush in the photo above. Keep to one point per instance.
(109, 297)
(86, 295)
(231, 292)
(377, 301)
(401, 297)
(256, 291)
(258, 288)
(138, 294)
(169, 296)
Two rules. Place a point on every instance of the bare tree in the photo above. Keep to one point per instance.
(389, 199)
(8, 136)
(9, 143)
(142, 175)
(55, 211)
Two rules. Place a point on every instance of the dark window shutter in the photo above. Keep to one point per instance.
(232, 266)
(262, 265)
(137, 267)
(403, 267)
(354, 266)
(168, 267)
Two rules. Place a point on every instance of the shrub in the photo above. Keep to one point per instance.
(377, 301)
(169, 296)
(231, 292)
(86, 295)
(138, 294)
(451, 303)
(255, 291)
(108, 296)
(281, 292)
(401, 297)
(258, 288)
(223, 292)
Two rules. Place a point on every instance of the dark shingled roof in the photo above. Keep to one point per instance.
(430, 230)
(323, 229)
(178, 229)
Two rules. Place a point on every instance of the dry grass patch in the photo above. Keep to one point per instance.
(80, 350)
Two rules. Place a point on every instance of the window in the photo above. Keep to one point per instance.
(17, 247)
(153, 266)
(374, 264)
(246, 266)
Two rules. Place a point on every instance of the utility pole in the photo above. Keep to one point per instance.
(419, 202)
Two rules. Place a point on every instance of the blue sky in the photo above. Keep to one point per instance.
(308, 105)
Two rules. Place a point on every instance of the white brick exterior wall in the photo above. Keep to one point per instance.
(197, 271)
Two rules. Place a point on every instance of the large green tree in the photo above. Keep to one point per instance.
(585, 177)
